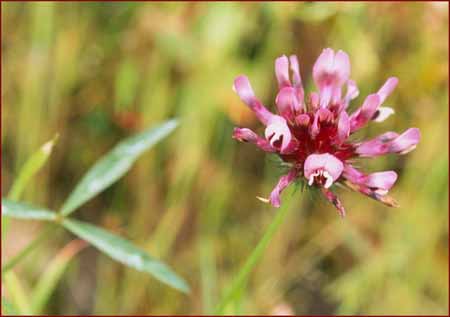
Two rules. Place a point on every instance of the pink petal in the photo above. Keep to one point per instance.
(314, 100)
(282, 71)
(323, 67)
(382, 114)
(361, 116)
(377, 146)
(296, 78)
(243, 88)
(387, 88)
(387, 136)
(324, 114)
(315, 129)
(247, 135)
(381, 180)
(343, 127)
(390, 142)
(321, 115)
(302, 120)
(377, 194)
(278, 134)
(406, 142)
(282, 184)
(326, 162)
(287, 102)
(352, 174)
(352, 93)
(342, 67)
(330, 72)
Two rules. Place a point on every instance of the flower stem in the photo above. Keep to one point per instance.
(240, 280)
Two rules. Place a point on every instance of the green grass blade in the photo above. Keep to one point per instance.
(29, 169)
(235, 289)
(115, 164)
(17, 293)
(125, 252)
(25, 211)
(52, 275)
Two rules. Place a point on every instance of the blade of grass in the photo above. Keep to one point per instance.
(29, 169)
(26, 211)
(126, 253)
(232, 293)
(115, 164)
(17, 293)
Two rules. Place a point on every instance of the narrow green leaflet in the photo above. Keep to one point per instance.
(17, 293)
(125, 252)
(25, 211)
(34, 163)
(115, 164)
(31, 167)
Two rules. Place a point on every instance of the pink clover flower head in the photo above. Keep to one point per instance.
(313, 135)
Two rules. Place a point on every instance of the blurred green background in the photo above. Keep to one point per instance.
(98, 72)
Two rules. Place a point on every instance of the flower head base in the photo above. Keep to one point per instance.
(313, 134)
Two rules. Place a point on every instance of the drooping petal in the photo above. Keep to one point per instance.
(282, 184)
(363, 115)
(381, 197)
(374, 147)
(287, 102)
(278, 134)
(390, 142)
(243, 88)
(247, 135)
(381, 181)
(352, 174)
(406, 142)
(382, 114)
(282, 71)
(343, 127)
(332, 198)
(325, 162)
(387, 88)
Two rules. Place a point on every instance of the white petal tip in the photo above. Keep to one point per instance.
(264, 200)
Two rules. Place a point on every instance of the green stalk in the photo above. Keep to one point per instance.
(239, 282)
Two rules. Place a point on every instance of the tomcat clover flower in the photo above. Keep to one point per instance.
(312, 134)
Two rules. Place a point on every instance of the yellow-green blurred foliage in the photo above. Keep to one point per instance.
(97, 72)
